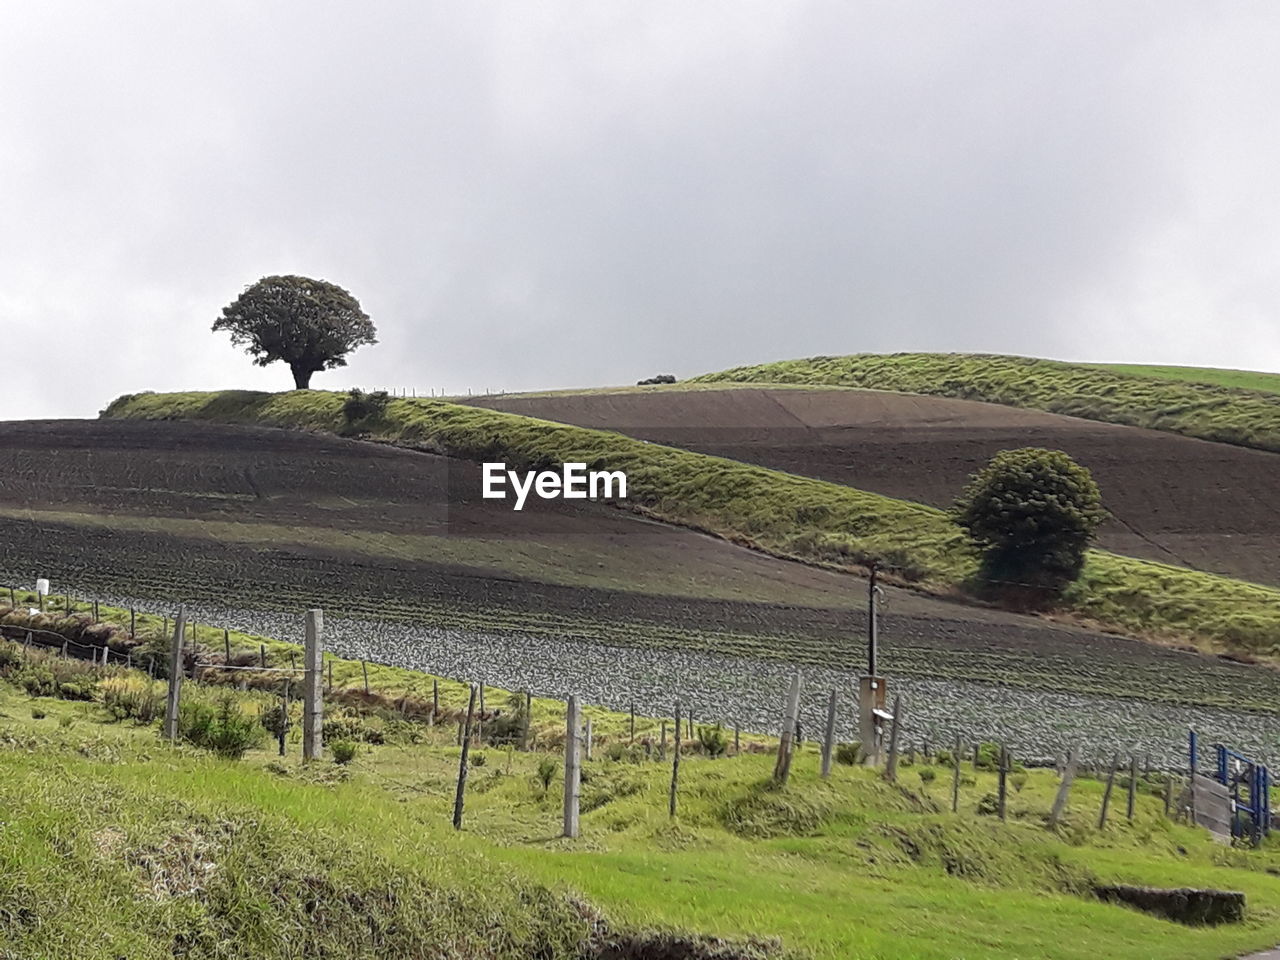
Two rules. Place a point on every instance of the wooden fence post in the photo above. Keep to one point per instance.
(1133, 788)
(633, 723)
(737, 739)
(891, 770)
(675, 763)
(782, 766)
(955, 777)
(1064, 788)
(262, 655)
(462, 761)
(364, 668)
(587, 742)
(1106, 793)
(662, 745)
(284, 713)
(1168, 793)
(1002, 788)
(175, 678)
(312, 698)
(829, 740)
(133, 622)
(226, 645)
(572, 772)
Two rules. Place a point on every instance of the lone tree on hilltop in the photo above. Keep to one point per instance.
(1033, 514)
(309, 324)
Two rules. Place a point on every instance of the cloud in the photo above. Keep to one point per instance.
(527, 195)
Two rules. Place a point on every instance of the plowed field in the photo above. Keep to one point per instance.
(1177, 500)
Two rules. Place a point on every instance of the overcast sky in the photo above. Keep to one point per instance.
(535, 195)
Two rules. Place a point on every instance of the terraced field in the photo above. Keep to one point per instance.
(254, 525)
(1174, 499)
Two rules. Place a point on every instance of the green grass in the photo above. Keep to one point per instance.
(1210, 411)
(109, 833)
(1235, 379)
(787, 515)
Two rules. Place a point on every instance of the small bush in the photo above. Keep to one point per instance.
(221, 727)
(848, 753)
(344, 751)
(713, 741)
(660, 378)
(132, 698)
(477, 759)
(37, 713)
(547, 768)
(362, 409)
(65, 721)
(1019, 780)
(927, 776)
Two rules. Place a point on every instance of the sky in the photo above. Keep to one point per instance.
(542, 195)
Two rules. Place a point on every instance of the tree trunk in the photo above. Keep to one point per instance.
(301, 377)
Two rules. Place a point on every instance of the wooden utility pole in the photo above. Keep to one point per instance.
(312, 695)
(872, 626)
(462, 761)
(175, 677)
(1064, 788)
(572, 771)
(782, 766)
(829, 740)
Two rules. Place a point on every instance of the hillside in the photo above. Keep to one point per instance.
(1249, 418)
(1215, 376)
(834, 525)
(126, 847)
(924, 449)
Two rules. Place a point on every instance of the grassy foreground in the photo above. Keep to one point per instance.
(1210, 410)
(780, 513)
(119, 845)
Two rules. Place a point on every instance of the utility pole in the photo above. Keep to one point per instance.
(871, 622)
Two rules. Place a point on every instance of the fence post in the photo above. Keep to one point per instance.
(133, 622)
(1133, 788)
(891, 771)
(1064, 788)
(262, 655)
(364, 668)
(312, 698)
(1168, 793)
(175, 677)
(226, 645)
(829, 741)
(782, 766)
(572, 772)
(675, 763)
(662, 745)
(955, 778)
(1106, 794)
(737, 739)
(284, 713)
(587, 741)
(1003, 783)
(462, 761)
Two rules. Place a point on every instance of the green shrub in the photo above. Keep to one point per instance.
(477, 759)
(344, 751)
(38, 713)
(221, 727)
(547, 768)
(927, 776)
(848, 753)
(713, 741)
(132, 698)
(362, 409)
(1032, 513)
(1019, 780)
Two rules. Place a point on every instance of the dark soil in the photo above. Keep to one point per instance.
(1208, 506)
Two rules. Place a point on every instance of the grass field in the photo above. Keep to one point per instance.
(119, 845)
(1235, 379)
(1210, 411)
(780, 513)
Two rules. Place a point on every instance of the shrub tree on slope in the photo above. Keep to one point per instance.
(1032, 513)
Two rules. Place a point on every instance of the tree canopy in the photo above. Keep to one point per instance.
(1032, 512)
(309, 324)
